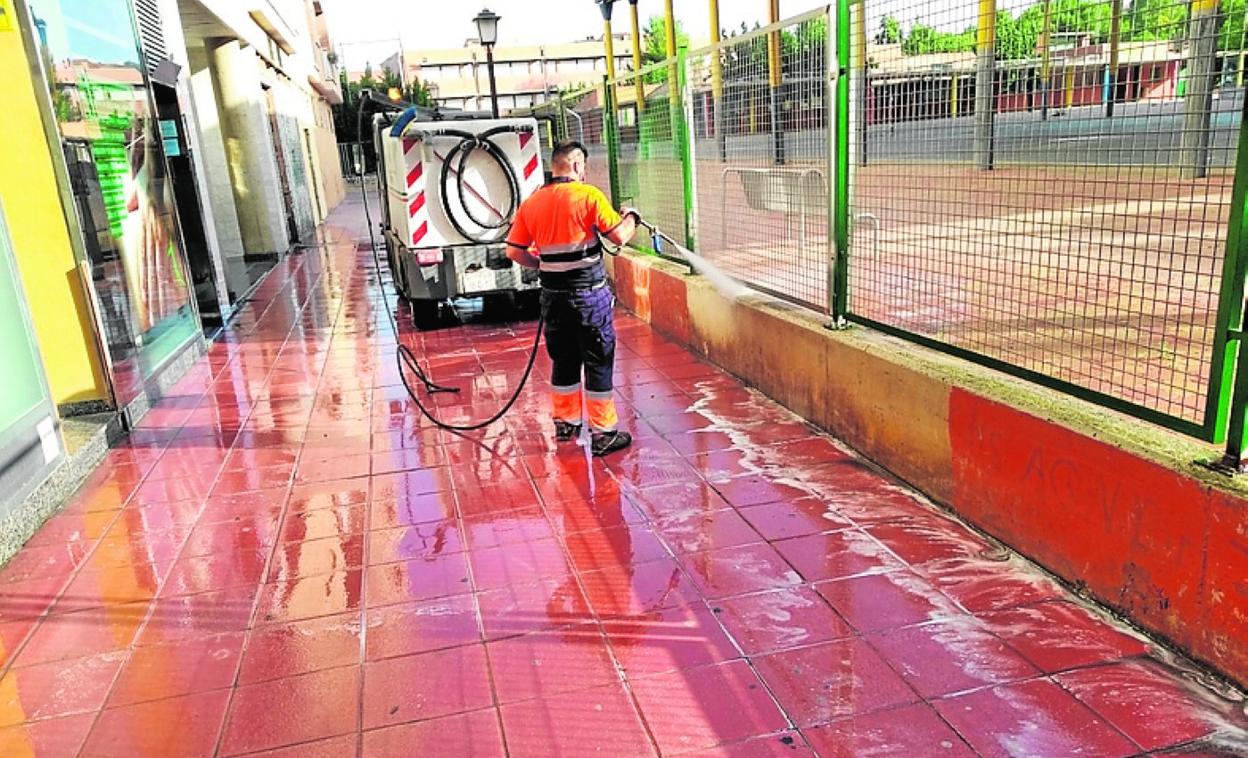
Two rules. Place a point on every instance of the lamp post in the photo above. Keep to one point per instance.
(608, 41)
(487, 34)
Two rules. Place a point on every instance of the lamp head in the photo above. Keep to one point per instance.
(487, 26)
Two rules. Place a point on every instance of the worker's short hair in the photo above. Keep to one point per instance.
(563, 151)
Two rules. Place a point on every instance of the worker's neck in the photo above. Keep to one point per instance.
(562, 176)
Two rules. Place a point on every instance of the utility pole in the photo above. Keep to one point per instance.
(717, 84)
(774, 77)
(1044, 60)
(639, 88)
(985, 95)
(675, 102)
(1202, 47)
(863, 87)
(608, 40)
(669, 23)
(1111, 77)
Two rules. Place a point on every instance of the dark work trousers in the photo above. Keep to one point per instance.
(580, 335)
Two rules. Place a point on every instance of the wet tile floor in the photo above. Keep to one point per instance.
(285, 559)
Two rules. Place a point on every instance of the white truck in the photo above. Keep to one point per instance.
(450, 187)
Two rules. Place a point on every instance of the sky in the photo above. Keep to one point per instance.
(367, 30)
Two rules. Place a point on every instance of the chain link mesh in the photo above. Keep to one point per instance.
(650, 115)
(585, 120)
(1046, 198)
(760, 141)
(1043, 184)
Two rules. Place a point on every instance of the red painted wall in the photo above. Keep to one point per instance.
(1156, 545)
(670, 307)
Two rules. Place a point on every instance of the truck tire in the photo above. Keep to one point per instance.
(496, 306)
(425, 313)
(529, 304)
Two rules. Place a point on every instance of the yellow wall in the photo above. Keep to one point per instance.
(41, 240)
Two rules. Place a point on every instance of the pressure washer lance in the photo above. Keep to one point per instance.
(722, 282)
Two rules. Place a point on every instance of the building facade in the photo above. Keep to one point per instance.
(162, 155)
(525, 74)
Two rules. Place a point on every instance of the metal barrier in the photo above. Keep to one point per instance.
(350, 160)
(1053, 204)
(651, 153)
(975, 177)
(760, 118)
(793, 192)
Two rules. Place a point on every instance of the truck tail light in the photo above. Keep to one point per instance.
(429, 256)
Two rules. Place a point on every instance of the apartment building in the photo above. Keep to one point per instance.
(525, 74)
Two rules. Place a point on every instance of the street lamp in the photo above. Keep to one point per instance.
(487, 34)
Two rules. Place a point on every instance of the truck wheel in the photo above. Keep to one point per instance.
(425, 313)
(496, 306)
(529, 303)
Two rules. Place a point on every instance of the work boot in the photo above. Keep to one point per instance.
(608, 442)
(566, 432)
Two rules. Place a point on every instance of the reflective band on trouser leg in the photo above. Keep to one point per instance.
(602, 416)
(566, 403)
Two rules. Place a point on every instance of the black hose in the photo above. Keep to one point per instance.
(455, 163)
(404, 355)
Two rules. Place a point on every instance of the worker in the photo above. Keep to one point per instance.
(559, 230)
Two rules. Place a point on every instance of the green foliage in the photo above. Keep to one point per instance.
(1017, 37)
(923, 40)
(654, 39)
(1083, 16)
(1231, 35)
(415, 92)
(654, 46)
(810, 38)
(1155, 20)
(890, 31)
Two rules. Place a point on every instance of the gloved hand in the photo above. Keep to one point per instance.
(636, 214)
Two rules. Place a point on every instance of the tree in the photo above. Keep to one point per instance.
(1017, 37)
(1156, 20)
(415, 92)
(1231, 35)
(924, 40)
(803, 50)
(890, 31)
(654, 39)
(418, 92)
(1084, 16)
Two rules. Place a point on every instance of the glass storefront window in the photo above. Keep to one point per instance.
(123, 196)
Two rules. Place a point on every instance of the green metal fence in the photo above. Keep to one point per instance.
(1050, 188)
(1048, 202)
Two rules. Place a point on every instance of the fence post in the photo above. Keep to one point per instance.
(775, 81)
(1237, 393)
(1111, 73)
(1202, 45)
(1228, 378)
(838, 160)
(612, 136)
(863, 86)
(561, 131)
(684, 139)
(985, 78)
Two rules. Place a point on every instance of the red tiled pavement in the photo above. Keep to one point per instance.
(286, 559)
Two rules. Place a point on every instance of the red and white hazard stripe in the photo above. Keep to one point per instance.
(531, 162)
(418, 215)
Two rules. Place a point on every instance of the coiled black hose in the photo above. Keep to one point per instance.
(455, 163)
